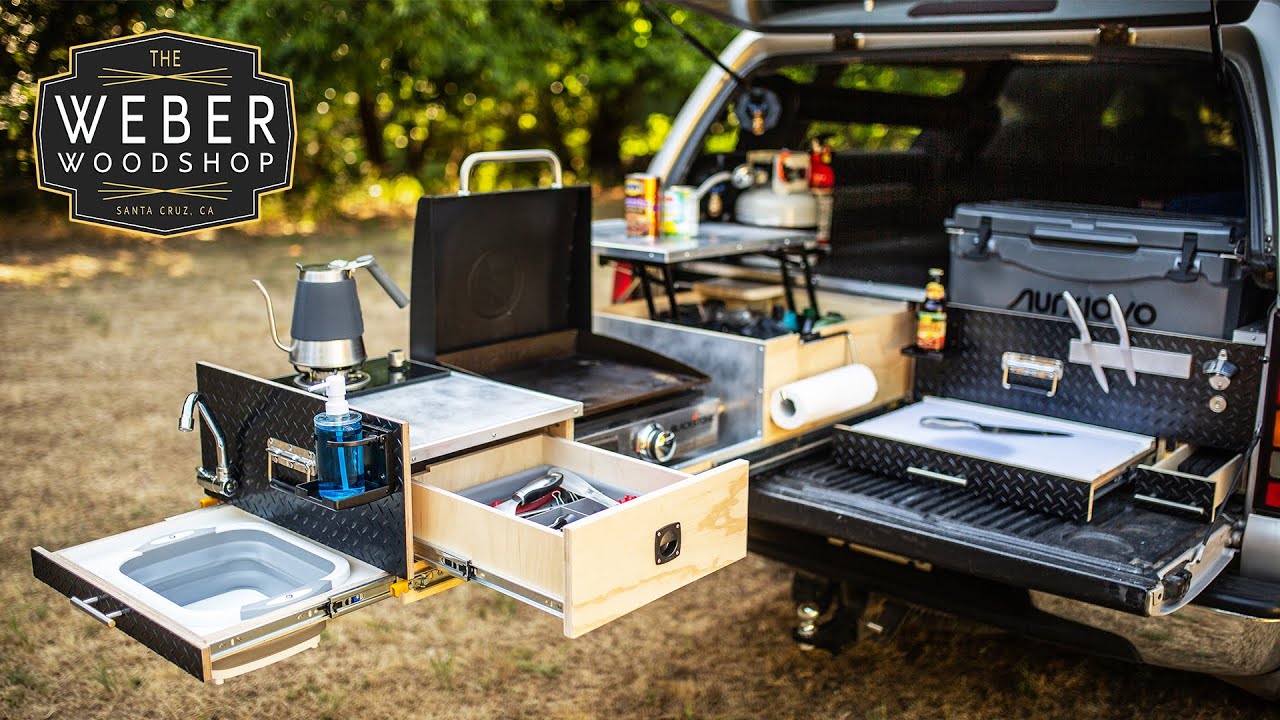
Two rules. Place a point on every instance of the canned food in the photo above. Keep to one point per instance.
(643, 205)
(680, 211)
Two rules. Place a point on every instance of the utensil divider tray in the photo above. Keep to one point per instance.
(1061, 475)
(596, 568)
(1163, 486)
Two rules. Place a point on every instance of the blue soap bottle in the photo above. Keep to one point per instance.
(341, 468)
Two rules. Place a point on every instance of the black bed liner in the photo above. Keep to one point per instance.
(1116, 561)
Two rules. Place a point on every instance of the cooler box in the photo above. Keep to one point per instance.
(1171, 273)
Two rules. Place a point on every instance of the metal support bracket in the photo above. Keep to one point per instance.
(1151, 362)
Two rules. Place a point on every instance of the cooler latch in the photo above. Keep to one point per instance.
(976, 247)
(1185, 268)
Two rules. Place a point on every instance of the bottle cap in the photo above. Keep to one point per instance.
(335, 390)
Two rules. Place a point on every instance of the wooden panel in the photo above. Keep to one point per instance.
(627, 473)
(525, 552)
(877, 329)
(482, 466)
(610, 557)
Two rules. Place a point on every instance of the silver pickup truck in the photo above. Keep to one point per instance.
(1164, 108)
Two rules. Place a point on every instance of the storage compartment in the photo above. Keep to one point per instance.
(596, 568)
(1169, 272)
(218, 592)
(1190, 480)
(746, 371)
(1029, 461)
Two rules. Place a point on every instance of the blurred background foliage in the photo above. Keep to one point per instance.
(392, 94)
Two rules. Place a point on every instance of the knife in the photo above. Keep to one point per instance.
(950, 423)
(1122, 327)
(1086, 341)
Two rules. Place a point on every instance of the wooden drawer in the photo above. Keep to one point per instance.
(598, 568)
(1162, 486)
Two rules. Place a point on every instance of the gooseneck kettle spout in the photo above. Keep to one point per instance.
(271, 318)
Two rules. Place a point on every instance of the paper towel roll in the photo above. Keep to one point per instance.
(825, 395)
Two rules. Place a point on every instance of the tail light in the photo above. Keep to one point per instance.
(1266, 495)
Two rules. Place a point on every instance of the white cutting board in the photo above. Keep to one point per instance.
(1088, 454)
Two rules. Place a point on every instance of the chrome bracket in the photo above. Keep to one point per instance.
(1021, 365)
(297, 459)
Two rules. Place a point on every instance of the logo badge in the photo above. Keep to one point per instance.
(164, 133)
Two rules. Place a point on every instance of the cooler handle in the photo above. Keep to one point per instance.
(469, 163)
(1057, 263)
(1048, 232)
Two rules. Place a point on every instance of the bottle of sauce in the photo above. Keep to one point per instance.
(931, 319)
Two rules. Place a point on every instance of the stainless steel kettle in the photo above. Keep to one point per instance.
(328, 327)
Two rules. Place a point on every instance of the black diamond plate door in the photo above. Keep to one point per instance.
(251, 410)
(1163, 407)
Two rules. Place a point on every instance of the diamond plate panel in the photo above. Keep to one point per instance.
(250, 410)
(1043, 492)
(137, 626)
(1174, 488)
(1158, 406)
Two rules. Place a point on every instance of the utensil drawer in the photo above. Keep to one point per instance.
(680, 528)
(1196, 491)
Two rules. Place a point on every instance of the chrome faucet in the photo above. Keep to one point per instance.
(220, 480)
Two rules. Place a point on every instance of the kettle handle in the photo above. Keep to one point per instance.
(397, 295)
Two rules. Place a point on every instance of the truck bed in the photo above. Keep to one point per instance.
(1116, 561)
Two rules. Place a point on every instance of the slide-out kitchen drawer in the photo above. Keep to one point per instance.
(1196, 488)
(217, 592)
(1029, 461)
(680, 528)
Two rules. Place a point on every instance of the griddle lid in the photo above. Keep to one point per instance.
(499, 266)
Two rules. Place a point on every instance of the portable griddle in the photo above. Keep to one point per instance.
(502, 288)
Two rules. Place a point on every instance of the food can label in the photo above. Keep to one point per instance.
(680, 211)
(642, 205)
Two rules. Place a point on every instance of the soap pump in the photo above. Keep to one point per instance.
(341, 467)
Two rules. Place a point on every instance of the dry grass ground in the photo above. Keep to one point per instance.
(97, 346)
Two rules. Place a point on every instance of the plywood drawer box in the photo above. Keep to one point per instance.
(1163, 486)
(745, 371)
(681, 527)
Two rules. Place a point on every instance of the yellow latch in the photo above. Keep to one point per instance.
(426, 581)
(207, 501)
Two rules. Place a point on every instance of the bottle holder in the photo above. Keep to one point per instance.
(305, 483)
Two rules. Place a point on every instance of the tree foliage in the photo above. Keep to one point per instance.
(394, 93)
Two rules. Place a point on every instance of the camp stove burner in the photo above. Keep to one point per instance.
(376, 374)
(356, 379)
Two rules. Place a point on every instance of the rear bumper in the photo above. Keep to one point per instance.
(1231, 631)
(1196, 638)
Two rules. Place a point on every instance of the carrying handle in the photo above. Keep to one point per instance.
(537, 155)
(87, 605)
(1049, 232)
(368, 263)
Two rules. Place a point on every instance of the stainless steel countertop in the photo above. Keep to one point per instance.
(458, 412)
(714, 240)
